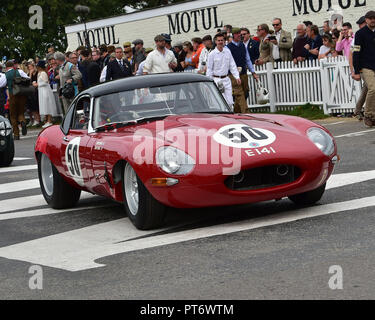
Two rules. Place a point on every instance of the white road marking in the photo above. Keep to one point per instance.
(19, 186)
(344, 179)
(44, 212)
(333, 123)
(20, 159)
(59, 250)
(77, 250)
(355, 134)
(18, 168)
(15, 204)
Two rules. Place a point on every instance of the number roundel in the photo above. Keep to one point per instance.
(72, 160)
(243, 136)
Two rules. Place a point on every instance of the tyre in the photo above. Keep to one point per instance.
(6, 157)
(309, 197)
(143, 210)
(56, 191)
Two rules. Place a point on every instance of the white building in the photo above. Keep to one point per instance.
(201, 17)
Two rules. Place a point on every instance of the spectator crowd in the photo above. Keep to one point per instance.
(227, 57)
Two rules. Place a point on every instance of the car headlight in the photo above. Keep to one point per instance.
(322, 140)
(174, 161)
(5, 128)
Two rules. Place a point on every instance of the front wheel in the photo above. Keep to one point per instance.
(56, 191)
(309, 197)
(143, 210)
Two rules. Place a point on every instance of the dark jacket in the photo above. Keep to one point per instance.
(92, 71)
(298, 47)
(364, 50)
(114, 71)
(314, 44)
(253, 48)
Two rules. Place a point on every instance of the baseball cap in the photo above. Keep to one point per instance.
(361, 20)
(236, 30)
(370, 14)
(148, 50)
(127, 44)
(166, 37)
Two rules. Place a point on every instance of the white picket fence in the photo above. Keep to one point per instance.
(327, 83)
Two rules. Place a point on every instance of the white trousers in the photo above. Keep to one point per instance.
(228, 90)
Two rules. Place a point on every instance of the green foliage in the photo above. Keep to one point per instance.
(308, 111)
(17, 40)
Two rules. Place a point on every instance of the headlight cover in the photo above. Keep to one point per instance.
(5, 128)
(322, 140)
(174, 161)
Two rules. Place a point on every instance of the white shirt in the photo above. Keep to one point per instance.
(140, 68)
(220, 62)
(275, 48)
(103, 75)
(156, 62)
(23, 74)
(324, 49)
(3, 80)
(203, 58)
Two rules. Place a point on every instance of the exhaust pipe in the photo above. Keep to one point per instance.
(282, 170)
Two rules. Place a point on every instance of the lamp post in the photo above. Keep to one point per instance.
(83, 11)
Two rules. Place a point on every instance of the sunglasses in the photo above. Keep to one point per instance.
(275, 24)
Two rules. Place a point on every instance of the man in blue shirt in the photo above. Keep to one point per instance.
(251, 44)
(242, 58)
(314, 43)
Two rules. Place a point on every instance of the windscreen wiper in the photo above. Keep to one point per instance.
(117, 125)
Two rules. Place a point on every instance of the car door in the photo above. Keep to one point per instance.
(74, 153)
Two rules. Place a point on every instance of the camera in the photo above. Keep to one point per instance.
(272, 37)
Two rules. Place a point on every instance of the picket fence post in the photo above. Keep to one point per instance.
(325, 86)
(271, 86)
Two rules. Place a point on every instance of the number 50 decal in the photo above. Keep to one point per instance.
(243, 136)
(72, 160)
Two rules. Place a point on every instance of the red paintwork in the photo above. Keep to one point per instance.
(205, 185)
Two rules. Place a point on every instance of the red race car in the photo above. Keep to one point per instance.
(171, 140)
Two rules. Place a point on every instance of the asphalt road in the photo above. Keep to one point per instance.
(269, 250)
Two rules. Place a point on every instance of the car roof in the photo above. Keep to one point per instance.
(146, 81)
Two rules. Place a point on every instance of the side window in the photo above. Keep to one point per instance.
(81, 114)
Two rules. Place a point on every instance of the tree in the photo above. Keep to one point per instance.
(17, 40)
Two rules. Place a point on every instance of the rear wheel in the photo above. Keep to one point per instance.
(143, 210)
(6, 157)
(56, 191)
(309, 197)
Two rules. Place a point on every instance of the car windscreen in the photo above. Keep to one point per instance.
(185, 98)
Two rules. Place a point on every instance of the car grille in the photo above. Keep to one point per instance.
(263, 177)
